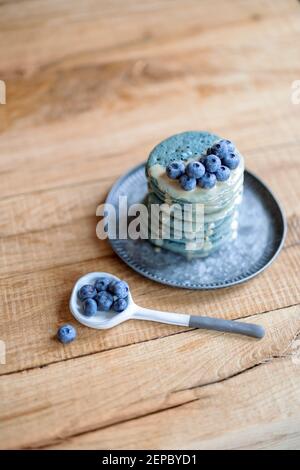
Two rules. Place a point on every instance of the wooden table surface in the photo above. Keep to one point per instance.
(91, 87)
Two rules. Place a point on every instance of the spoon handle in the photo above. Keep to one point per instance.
(229, 326)
(206, 323)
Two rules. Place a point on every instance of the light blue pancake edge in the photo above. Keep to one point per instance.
(181, 146)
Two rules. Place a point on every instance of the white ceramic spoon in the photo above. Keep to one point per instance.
(105, 320)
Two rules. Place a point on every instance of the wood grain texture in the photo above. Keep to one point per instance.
(158, 374)
(256, 410)
(91, 88)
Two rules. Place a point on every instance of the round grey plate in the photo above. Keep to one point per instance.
(260, 238)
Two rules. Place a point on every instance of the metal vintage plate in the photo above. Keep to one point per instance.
(260, 238)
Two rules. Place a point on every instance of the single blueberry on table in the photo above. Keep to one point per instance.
(223, 173)
(212, 163)
(89, 307)
(66, 334)
(195, 170)
(120, 289)
(102, 283)
(187, 183)
(232, 161)
(104, 301)
(207, 181)
(86, 292)
(120, 305)
(175, 170)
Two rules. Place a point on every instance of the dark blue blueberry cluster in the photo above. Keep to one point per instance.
(216, 165)
(104, 295)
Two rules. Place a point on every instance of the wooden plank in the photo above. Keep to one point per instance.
(71, 243)
(83, 150)
(45, 210)
(71, 29)
(258, 409)
(119, 389)
(152, 100)
(35, 304)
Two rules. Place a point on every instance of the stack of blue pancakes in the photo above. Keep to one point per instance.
(192, 222)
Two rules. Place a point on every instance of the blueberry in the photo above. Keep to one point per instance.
(120, 305)
(104, 301)
(102, 283)
(66, 334)
(175, 170)
(195, 170)
(120, 289)
(111, 286)
(223, 173)
(230, 146)
(87, 292)
(232, 160)
(222, 148)
(89, 307)
(187, 183)
(212, 163)
(207, 181)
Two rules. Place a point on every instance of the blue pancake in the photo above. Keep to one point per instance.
(184, 146)
(219, 204)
